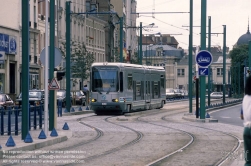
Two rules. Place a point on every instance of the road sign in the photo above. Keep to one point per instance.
(204, 58)
(203, 71)
(57, 54)
(54, 85)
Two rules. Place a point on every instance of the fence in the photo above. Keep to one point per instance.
(9, 115)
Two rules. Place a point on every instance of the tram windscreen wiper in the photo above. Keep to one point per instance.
(98, 90)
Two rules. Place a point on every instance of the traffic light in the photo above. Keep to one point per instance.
(60, 75)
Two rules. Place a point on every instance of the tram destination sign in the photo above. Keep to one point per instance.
(204, 58)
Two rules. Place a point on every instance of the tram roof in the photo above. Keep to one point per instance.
(119, 64)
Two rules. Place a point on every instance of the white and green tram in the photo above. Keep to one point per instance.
(122, 87)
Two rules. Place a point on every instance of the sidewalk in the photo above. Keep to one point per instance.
(37, 143)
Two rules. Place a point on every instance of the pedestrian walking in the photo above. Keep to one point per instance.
(246, 108)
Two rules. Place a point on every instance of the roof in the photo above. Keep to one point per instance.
(245, 38)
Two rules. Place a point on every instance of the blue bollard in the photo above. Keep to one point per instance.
(16, 119)
(42, 135)
(54, 133)
(207, 115)
(28, 138)
(10, 142)
(2, 120)
(9, 120)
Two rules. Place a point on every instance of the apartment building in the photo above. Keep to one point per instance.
(11, 47)
(125, 8)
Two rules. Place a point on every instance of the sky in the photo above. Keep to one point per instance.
(232, 13)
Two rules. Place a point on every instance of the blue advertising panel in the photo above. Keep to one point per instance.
(204, 58)
(203, 71)
(12, 45)
(8, 44)
(4, 43)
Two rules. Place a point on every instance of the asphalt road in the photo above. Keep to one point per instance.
(230, 115)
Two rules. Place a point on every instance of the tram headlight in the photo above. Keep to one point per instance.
(115, 100)
(93, 100)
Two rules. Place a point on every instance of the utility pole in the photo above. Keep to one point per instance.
(51, 60)
(190, 60)
(25, 68)
(203, 47)
(140, 44)
(68, 55)
(121, 39)
(209, 67)
(224, 64)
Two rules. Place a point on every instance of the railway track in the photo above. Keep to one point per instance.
(164, 159)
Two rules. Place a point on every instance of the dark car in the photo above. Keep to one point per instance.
(79, 97)
(36, 97)
(6, 101)
(61, 95)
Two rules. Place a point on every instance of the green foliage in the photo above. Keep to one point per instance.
(135, 58)
(116, 57)
(81, 60)
(238, 56)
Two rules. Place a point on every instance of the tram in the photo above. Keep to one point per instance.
(122, 87)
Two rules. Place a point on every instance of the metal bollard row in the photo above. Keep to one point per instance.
(12, 125)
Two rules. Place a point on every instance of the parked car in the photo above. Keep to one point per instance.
(170, 93)
(61, 95)
(216, 95)
(184, 93)
(79, 97)
(178, 93)
(36, 97)
(6, 101)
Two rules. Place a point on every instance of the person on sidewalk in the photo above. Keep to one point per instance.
(246, 108)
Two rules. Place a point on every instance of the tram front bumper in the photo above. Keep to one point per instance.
(112, 106)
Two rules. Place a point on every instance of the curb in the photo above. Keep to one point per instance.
(77, 113)
(39, 145)
(208, 120)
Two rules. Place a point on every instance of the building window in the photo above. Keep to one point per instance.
(219, 71)
(88, 6)
(180, 72)
(35, 59)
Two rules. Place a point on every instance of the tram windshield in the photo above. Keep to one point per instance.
(105, 79)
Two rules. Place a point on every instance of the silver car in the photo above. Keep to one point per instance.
(216, 95)
(170, 93)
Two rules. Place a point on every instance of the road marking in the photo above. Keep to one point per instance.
(225, 117)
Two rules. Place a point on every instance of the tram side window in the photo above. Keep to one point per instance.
(142, 90)
(152, 89)
(156, 89)
(148, 86)
(129, 81)
(162, 81)
(138, 90)
(121, 81)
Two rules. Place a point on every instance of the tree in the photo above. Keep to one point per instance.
(135, 58)
(116, 57)
(239, 59)
(81, 60)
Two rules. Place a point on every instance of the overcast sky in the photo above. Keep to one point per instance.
(232, 13)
